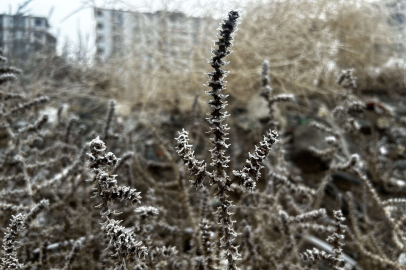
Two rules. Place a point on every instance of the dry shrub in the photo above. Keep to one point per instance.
(308, 42)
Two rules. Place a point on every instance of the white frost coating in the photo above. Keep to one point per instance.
(63, 244)
(145, 211)
(250, 173)
(398, 182)
(195, 167)
(101, 146)
(395, 63)
(331, 140)
(283, 97)
(328, 248)
(383, 151)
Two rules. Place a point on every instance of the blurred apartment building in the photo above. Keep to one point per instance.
(152, 38)
(397, 10)
(397, 20)
(21, 35)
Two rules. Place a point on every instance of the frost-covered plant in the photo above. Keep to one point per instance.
(7, 73)
(9, 260)
(336, 239)
(270, 98)
(122, 240)
(175, 228)
(247, 176)
(342, 122)
(19, 223)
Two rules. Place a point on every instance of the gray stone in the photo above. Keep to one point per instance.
(400, 164)
(303, 138)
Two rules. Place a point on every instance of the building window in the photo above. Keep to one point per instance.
(39, 35)
(19, 47)
(119, 18)
(19, 21)
(100, 38)
(19, 34)
(100, 26)
(99, 13)
(38, 22)
(117, 39)
(399, 18)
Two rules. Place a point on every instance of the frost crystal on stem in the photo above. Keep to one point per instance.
(246, 176)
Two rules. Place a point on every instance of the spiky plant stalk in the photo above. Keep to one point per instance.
(270, 98)
(9, 260)
(218, 130)
(19, 223)
(217, 116)
(7, 73)
(122, 240)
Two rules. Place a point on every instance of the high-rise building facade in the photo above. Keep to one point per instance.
(171, 36)
(21, 35)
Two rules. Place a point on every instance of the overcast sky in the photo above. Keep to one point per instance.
(73, 20)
